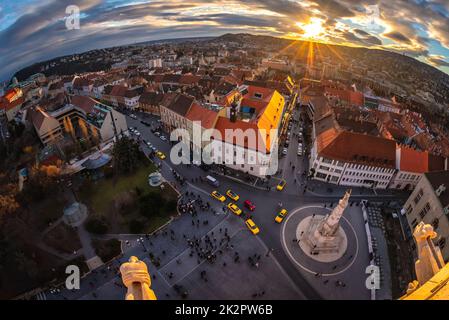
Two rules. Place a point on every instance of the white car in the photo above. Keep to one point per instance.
(299, 152)
(157, 133)
(133, 116)
(163, 138)
(137, 133)
(284, 151)
(149, 144)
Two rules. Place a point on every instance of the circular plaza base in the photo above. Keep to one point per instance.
(325, 253)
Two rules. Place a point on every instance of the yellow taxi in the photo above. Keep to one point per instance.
(217, 195)
(281, 215)
(252, 226)
(281, 185)
(234, 196)
(160, 155)
(233, 207)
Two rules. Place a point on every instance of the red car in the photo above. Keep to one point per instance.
(249, 205)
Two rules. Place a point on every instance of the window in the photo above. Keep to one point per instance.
(435, 223)
(321, 175)
(409, 209)
(418, 196)
(424, 210)
(414, 223)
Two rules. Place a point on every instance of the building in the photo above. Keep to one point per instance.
(352, 159)
(82, 86)
(11, 103)
(155, 63)
(150, 102)
(346, 151)
(275, 64)
(411, 164)
(174, 109)
(132, 98)
(429, 202)
(82, 117)
(244, 139)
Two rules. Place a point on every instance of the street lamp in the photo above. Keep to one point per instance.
(141, 241)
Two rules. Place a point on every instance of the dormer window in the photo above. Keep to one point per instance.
(258, 95)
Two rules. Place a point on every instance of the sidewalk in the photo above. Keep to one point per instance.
(322, 189)
(240, 177)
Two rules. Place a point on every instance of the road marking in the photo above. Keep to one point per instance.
(287, 251)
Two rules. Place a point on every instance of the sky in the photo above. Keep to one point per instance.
(35, 30)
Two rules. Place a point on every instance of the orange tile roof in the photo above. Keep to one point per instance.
(6, 105)
(11, 94)
(206, 116)
(359, 148)
(85, 103)
(413, 160)
(226, 128)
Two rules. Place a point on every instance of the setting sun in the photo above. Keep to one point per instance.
(312, 29)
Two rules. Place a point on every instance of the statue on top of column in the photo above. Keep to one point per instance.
(329, 226)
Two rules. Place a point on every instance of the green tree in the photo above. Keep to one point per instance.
(126, 155)
(150, 205)
(96, 226)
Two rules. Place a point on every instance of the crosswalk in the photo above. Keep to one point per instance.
(41, 296)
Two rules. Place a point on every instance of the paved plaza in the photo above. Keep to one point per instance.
(286, 273)
(349, 269)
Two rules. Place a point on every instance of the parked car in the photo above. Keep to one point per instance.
(163, 138)
(234, 208)
(160, 155)
(234, 196)
(249, 205)
(212, 181)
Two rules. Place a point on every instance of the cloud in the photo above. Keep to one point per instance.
(437, 61)
(397, 36)
(39, 33)
(365, 40)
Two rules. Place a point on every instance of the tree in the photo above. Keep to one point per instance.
(126, 155)
(40, 184)
(8, 205)
(135, 226)
(151, 204)
(96, 226)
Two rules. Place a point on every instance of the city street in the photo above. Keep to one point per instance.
(270, 243)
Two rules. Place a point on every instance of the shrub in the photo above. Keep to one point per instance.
(151, 204)
(170, 206)
(96, 226)
(135, 226)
